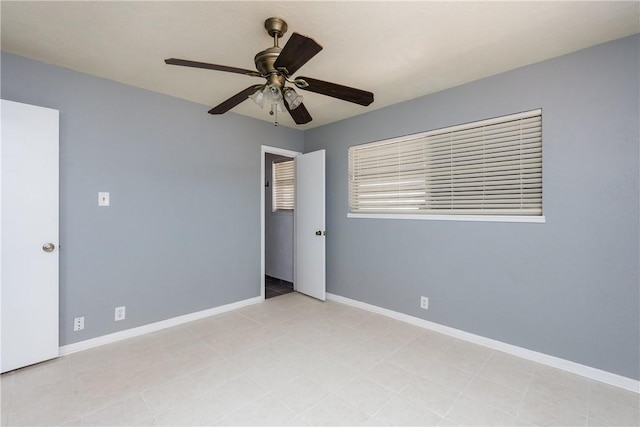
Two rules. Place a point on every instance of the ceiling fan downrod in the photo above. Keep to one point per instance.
(276, 27)
(264, 60)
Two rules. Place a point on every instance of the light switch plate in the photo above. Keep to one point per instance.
(103, 198)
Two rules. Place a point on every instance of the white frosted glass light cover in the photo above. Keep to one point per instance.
(293, 99)
(258, 97)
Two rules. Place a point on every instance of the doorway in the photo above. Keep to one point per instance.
(277, 241)
(279, 191)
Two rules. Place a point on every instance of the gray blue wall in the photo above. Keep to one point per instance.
(182, 233)
(278, 233)
(569, 287)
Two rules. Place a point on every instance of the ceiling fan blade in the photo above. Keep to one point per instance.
(298, 50)
(196, 64)
(234, 100)
(334, 90)
(300, 115)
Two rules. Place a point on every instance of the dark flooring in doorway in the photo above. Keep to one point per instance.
(275, 287)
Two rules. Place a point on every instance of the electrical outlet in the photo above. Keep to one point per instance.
(424, 303)
(78, 323)
(120, 313)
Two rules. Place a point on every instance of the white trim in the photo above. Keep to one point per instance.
(545, 359)
(264, 149)
(153, 327)
(487, 218)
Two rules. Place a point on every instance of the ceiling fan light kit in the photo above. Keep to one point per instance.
(277, 65)
(293, 99)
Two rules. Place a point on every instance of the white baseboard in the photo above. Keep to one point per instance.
(152, 327)
(545, 359)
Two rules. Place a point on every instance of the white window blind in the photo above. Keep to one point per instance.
(283, 186)
(491, 167)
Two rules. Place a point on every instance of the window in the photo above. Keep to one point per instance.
(487, 168)
(283, 185)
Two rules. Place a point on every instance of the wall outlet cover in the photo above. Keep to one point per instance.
(120, 313)
(78, 323)
(424, 303)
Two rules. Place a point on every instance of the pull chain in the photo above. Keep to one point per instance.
(274, 112)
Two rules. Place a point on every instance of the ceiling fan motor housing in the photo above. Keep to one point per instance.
(264, 60)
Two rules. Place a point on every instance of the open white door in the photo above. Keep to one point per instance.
(309, 271)
(29, 234)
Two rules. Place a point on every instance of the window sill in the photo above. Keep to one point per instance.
(481, 218)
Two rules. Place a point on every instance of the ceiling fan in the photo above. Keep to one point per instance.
(277, 65)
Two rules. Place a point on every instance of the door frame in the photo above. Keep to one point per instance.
(264, 150)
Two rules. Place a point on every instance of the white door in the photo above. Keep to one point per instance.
(29, 234)
(310, 233)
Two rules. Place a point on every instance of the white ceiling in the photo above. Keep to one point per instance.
(397, 50)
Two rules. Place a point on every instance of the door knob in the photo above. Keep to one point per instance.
(48, 247)
(318, 233)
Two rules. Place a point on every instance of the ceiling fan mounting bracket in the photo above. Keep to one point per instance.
(276, 27)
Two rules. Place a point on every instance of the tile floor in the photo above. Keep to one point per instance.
(293, 360)
(275, 287)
